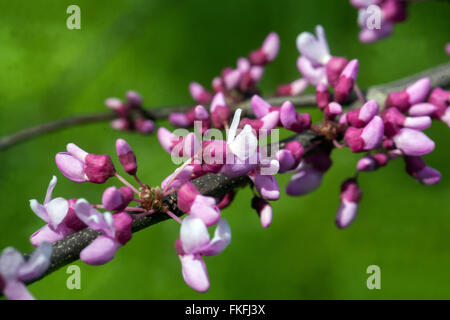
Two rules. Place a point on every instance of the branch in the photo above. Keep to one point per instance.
(154, 114)
(68, 249)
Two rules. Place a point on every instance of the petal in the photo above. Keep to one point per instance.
(271, 46)
(313, 74)
(93, 218)
(205, 208)
(194, 272)
(10, 262)
(267, 186)
(372, 134)
(165, 138)
(70, 167)
(234, 125)
(45, 234)
(100, 251)
(182, 175)
(38, 262)
(76, 152)
(303, 182)
(259, 106)
(413, 142)
(346, 214)
(16, 290)
(57, 211)
(39, 210)
(50, 188)
(418, 123)
(180, 119)
(193, 235)
(422, 109)
(285, 159)
(221, 239)
(245, 144)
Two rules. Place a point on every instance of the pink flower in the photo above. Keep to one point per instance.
(117, 199)
(192, 202)
(195, 242)
(116, 232)
(14, 270)
(293, 88)
(415, 93)
(346, 81)
(315, 49)
(199, 93)
(350, 197)
(268, 51)
(290, 157)
(290, 119)
(372, 162)
(59, 215)
(413, 142)
(79, 166)
(322, 95)
(441, 99)
(360, 117)
(126, 156)
(220, 112)
(367, 138)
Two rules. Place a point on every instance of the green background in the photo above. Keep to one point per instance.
(48, 72)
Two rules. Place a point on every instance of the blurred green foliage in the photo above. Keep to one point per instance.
(157, 47)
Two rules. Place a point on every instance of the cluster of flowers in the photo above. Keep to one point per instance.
(377, 18)
(130, 114)
(383, 135)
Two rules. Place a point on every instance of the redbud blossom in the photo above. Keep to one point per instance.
(350, 196)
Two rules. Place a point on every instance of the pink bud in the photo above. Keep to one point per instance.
(198, 93)
(346, 81)
(116, 199)
(220, 112)
(394, 11)
(126, 156)
(264, 210)
(361, 116)
(334, 68)
(122, 225)
(322, 95)
(144, 126)
(290, 119)
(350, 197)
(367, 138)
(372, 162)
(413, 142)
(99, 168)
(134, 99)
(120, 124)
(186, 195)
(332, 110)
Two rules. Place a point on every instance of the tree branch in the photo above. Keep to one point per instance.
(68, 249)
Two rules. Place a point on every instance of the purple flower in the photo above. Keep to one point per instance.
(144, 126)
(116, 232)
(195, 242)
(394, 119)
(192, 202)
(350, 197)
(14, 270)
(313, 73)
(417, 168)
(308, 175)
(289, 158)
(59, 215)
(79, 166)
